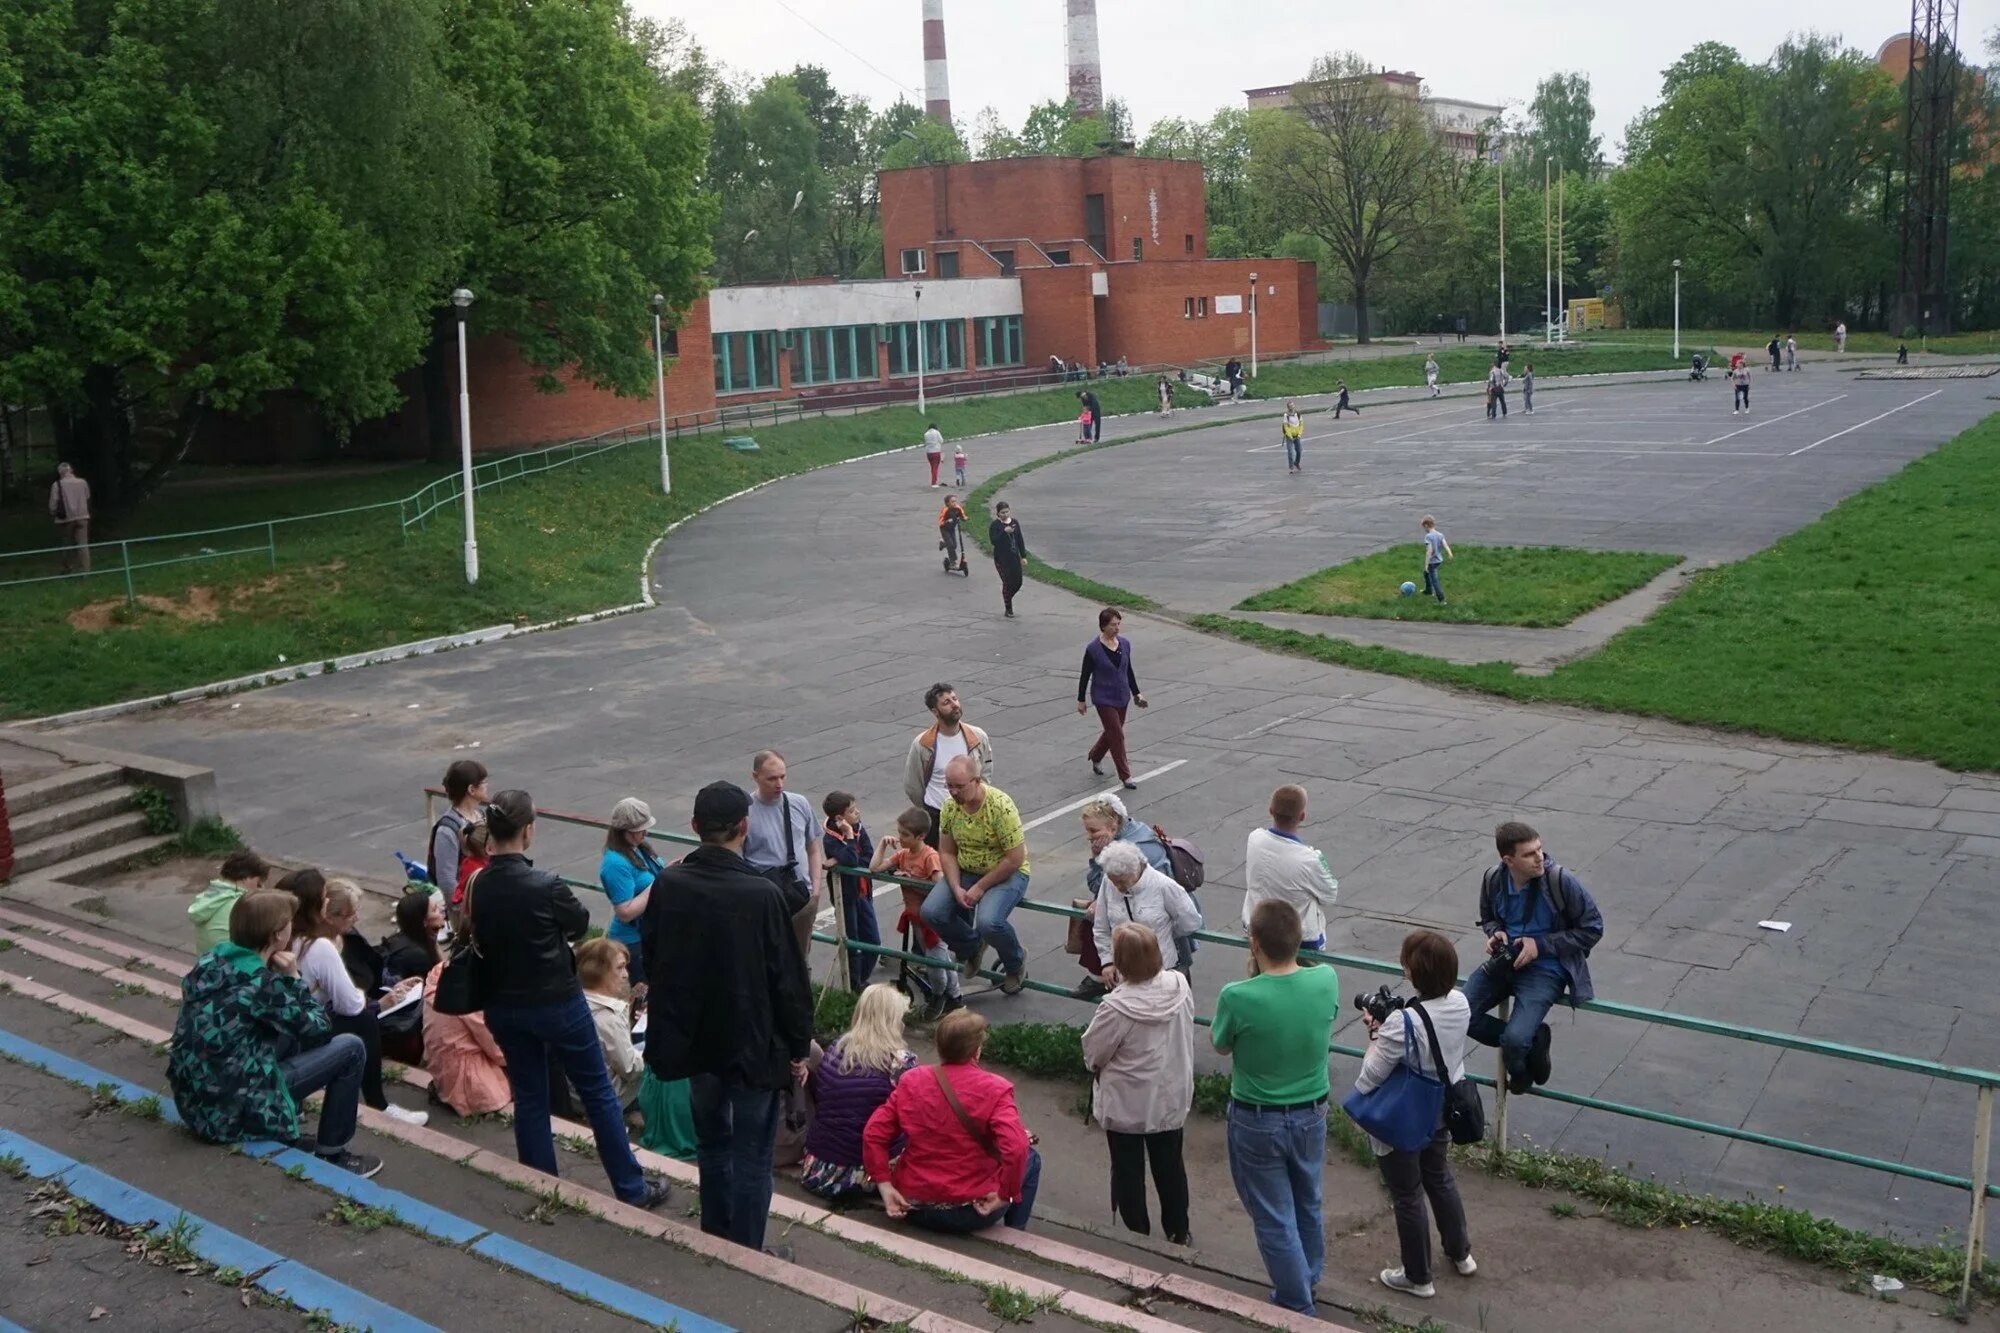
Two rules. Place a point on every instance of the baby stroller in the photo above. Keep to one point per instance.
(1698, 368)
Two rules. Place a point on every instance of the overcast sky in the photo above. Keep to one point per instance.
(1189, 57)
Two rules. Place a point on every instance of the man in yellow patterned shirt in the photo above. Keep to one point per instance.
(985, 854)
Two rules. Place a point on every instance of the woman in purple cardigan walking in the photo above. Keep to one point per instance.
(1112, 685)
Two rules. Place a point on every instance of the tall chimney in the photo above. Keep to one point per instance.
(937, 81)
(1086, 80)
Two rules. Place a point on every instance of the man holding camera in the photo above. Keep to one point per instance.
(1540, 924)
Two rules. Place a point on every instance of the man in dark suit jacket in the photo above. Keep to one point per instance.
(730, 1006)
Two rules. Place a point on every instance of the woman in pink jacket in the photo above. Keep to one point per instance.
(467, 1071)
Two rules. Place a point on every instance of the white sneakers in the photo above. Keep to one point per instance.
(395, 1112)
(1396, 1280)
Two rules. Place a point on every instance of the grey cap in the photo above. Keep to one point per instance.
(632, 813)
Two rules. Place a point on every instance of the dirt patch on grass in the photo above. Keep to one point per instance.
(199, 606)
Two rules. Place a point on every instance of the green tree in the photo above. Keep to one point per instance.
(1053, 129)
(1559, 124)
(204, 201)
(764, 166)
(919, 142)
(1353, 162)
(992, 139)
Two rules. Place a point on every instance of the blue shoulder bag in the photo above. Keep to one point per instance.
(1403, 1110)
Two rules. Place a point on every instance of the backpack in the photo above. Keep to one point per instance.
(1184, 860)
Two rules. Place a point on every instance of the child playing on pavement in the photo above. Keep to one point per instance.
(1436, 551)
(951, 540)
(906, 854)
(1083, 427)
(958, 466)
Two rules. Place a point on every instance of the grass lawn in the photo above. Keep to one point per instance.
(563, 543)
(1877, 626)
(1986, 343)
(1457, 364)
(1538, 586)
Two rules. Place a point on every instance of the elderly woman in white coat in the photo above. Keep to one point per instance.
(1133, 891)
(1140, 1049)
(1431, 964)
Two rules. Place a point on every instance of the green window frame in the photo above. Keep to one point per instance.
(1000, 340)
(944, 347)
(745, 362)
(833, 354)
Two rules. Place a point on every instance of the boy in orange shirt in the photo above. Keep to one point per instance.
(906, 854)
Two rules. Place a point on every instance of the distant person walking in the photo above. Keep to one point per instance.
(948, 737)
(69, 508)
(1436, 551)
(1528, 387)
(1343, 405)
(1740, 376)
(1496, 392)
(1431, 374)
(1010, 553)
(1294, 432)
(1165, 389)
(1233, 372)
(1791, 352)
(1840, 336)
(1112, 686)
(1773, 348)
(1096, 410)
(934, 452)
(958, 466)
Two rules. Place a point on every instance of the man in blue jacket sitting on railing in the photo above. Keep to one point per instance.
(1540, 924)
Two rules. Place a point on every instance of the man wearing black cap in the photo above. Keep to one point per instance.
(731, 1009)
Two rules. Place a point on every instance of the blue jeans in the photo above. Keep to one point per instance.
(1432, 585)
(1275, 1158)
(964, 930)
(528, 1035)
(857, 911)
(735, 1126)
(1534, 988)
(334, 1069)
(1293, 448)
(964, 1217)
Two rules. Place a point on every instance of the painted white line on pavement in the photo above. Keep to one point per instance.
(1768, 420)
(1386, 422)
(1859, 424)
(825, 918)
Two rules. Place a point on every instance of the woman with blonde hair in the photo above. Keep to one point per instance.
(327, 910)
(1140, 1048)
(854, 1078)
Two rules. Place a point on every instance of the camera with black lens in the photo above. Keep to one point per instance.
(1501, 964)
(1379, 1005)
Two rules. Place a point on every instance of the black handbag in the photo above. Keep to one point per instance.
(786, 876)
(460, 987)
(1464, 1112)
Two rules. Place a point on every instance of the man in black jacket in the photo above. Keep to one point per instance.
(731, 1009)
(523, 922)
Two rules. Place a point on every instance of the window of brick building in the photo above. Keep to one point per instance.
(1058, 256)
(1187, 243)
(947, 264)
(1000, 340)
(745, 361)
(1138, 247)
(944, 347)
(1005, 258)
(1187, 307)
(830, 355)
(913, 261)
(1201, 308)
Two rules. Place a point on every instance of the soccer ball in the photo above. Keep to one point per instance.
(1409, 590)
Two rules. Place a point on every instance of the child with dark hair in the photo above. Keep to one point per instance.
(847, 843)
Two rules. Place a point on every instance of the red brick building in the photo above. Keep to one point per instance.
(995, 268)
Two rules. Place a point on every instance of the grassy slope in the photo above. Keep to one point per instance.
(1488, 585)
(1957, 344)
(1876, 626)
(1457, 363)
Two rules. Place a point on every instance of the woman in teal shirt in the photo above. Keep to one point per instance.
(626, 873)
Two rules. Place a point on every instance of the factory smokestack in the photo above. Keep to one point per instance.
(1086, 80)
(937, 80)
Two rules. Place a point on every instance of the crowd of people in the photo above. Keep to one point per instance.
(688, 1025)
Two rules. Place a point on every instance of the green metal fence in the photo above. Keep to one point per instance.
(1978, 1184)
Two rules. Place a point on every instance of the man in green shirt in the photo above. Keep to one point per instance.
(1275, 1027)
(984, 851)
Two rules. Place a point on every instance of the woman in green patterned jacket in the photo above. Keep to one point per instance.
(251, 1042)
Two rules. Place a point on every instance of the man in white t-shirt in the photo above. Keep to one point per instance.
(784, 831)
(934, 452)
(948, 737)
(1278, 864)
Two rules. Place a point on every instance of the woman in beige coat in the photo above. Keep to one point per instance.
(1140, 1049)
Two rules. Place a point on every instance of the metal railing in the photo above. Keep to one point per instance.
(1978, 1184)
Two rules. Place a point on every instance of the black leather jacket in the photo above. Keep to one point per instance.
(524, 921)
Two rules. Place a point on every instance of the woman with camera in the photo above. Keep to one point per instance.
(1431, 965)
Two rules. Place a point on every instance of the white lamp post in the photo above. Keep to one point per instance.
(462, 298)
(1253, 326)
(660, 383)
(1548, 281)
(1677, 310)
(919, 290)
(1502, 187)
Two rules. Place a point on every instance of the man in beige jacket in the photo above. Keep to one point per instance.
(69, 507)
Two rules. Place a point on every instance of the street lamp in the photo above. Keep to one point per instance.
(1677, 310)
(919, 290)
(1253, 326)
(462, 298)
(660, 383)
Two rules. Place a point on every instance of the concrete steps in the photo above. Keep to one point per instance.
(70, 782)
(67, 846)
(69, 812)
(74, 973)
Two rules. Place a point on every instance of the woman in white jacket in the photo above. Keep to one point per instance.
(1431, 965)
(1133, 891)
(1140, 1048)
